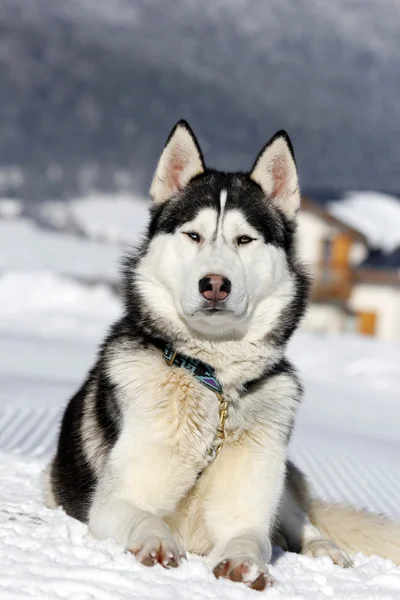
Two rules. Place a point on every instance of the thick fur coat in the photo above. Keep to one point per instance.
(218, 279)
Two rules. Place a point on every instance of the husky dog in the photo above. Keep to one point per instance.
(177, 440)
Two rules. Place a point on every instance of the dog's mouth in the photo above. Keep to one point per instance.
(217, 312)
(214, 308)
(215, 319)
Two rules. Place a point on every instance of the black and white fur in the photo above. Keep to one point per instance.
(132, 456)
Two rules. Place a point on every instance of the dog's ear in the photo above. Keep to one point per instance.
(275, 172)
(180, 161)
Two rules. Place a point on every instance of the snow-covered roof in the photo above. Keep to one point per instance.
(312, 206)
(374, 214)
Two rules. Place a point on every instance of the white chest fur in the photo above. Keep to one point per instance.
(165, 405)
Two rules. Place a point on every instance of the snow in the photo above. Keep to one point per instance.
(45, 554)
(25, 246)
(374, 214)
(10, 208)
(347, 437)
(49, 304)
(118, 218)
(95, 230)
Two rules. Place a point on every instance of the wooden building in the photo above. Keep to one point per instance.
(345, 296)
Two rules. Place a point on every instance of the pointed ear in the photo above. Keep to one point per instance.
(180, 161)
(275, 172)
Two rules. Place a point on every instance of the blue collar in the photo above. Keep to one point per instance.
(203, 372)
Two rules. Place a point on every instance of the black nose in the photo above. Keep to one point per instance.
(215, 287)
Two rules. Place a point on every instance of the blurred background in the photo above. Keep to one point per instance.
(89, 91)
(91, 88)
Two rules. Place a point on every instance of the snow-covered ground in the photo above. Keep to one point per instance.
(347, 438)
(46, 555)
(89, 248)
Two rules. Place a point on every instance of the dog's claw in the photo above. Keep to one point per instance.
(321, 547)
(153, 550)
(248, 572)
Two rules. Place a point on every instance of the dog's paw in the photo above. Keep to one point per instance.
(153, 550)
(248, 571)
(318, 548)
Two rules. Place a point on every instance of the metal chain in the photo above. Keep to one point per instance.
(220, 435)
(223, 404)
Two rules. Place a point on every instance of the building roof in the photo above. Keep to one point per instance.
(309, 205)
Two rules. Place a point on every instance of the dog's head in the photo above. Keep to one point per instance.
(219, 253)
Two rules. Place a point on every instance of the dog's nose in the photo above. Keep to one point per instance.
(215, 287)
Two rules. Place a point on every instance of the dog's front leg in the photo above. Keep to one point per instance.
(245, 487)
(141, 483)
(144, 534)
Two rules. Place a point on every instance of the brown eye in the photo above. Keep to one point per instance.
(193, 236)
(244, 239)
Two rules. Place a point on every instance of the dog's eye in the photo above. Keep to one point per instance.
(193, 236)
(244, 239)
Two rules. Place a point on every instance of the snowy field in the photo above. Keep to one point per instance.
(53, 315)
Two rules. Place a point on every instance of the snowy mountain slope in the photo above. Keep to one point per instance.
(116, 218)
(82, 238)
(96, 85)
(27, 247)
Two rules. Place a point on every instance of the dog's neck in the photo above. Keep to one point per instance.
(235, 362)
(236, 359)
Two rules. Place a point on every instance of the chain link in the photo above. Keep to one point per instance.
(220, 435)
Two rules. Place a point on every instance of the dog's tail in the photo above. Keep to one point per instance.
(357, 530)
